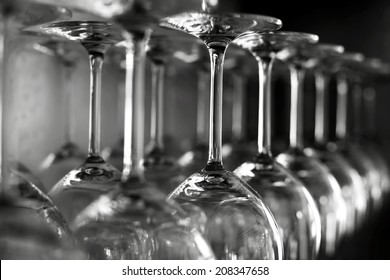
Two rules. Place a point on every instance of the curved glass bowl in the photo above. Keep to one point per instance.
(352, 186)
(327, 194)
(291, 204)
(236, 223)
(135, 222)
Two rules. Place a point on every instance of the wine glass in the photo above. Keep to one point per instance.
(293, 207)
(239, 149)
(352, 187)
(357, 135)
(83, 184)
(68, 155)
(160, 168)
(31, 226)
(350, 150)
(234, 220)
(134, 221)
(317, 178)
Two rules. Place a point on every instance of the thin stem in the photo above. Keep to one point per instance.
(369, 99)
(264, 124)
(217, 56)
(134, 109)
(297, 76)
(201, 125)
(238, 123)
(321, 127)
(342, 107)
(96, 62)
(68, 92)
(157, 118)
(120, 102)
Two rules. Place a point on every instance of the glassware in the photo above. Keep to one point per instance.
(352, 187)
(134, 221)
(82, 185)
(239, 149)
(234, 220)
(352, 152)
(64, 159)
(30, 225)
(321, 184)
(293, 207)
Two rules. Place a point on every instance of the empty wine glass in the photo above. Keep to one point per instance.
(134, 221)
(83, 184)
(321, 184)
(352, 152)
(352, 187)
(161, 168)
(69, 155)
(239, 149)
(235, 221)
(30, 225)
(293, 207)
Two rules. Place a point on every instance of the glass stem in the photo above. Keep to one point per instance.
(68, 92)
(297, 76)
(157, 110)
(96, 62)
(201, 118)
(120, 102)
(238, 123)
(134, 109)
(321, 126)
(342, 107)
(264, 124)
(369, 101)
(217, 56)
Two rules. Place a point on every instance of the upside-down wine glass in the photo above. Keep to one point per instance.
(239, 149)
(236, 221)
(30, 225)
(357, 136)
(134, 221)
(83, 184)
(290, 202)
(352, 152)
(68, 155)
(321, 184)
(376, 72)
(352, 187)
(160, 168)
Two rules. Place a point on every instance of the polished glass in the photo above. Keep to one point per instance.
(234, 219)
(290, 202)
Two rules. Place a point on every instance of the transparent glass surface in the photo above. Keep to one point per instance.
(293, 207)
(234, 220)
(352, 186)
(326, 192)
(134, 221)
(85, 183)
(291, 204)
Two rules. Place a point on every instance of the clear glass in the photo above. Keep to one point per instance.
(59, 162)
(160, 168)
(317, 178)
(239, 149)
(233, 219)
(85, 183)
(293, 207)
(31, 226)
(352, 152)
(134, 221)
(352, 186)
